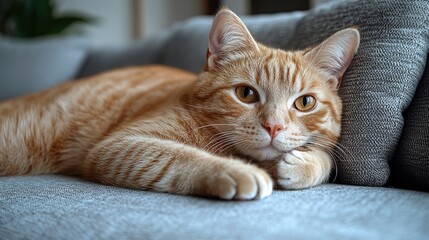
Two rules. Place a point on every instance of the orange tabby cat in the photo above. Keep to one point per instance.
(168, 130)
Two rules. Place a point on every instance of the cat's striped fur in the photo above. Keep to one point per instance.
(167, 130)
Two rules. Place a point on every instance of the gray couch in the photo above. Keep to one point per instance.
(386, 129)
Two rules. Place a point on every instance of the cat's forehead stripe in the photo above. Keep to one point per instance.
(266, 71)
(257, 74)
(281, 67)
(294, 74)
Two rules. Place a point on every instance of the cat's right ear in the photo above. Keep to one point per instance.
(228, 38)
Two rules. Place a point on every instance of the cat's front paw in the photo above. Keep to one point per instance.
(298, 169)
(240, 181)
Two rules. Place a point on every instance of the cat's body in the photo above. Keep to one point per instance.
(164, 129)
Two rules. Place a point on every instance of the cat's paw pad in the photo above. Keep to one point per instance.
(295, 171)
(240, 182)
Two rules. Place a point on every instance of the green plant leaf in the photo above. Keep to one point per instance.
(60, 24)
(42, 15)
(21, 21)
(33, 18)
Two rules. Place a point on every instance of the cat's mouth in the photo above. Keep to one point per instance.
(270, 147)
(270, 152)
(274, 149)
(284, 149)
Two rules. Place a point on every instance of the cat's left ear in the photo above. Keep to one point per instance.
(228, 38)
(335, 54)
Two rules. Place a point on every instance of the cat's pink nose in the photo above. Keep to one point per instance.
(273, 128)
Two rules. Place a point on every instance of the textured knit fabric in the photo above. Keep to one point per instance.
(55, 207)
(381, 80)
(28, 66)
(411, 162)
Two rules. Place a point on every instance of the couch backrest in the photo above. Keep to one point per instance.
(376, 90)
(185, 44)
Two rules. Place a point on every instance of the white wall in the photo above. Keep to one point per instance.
(161, 14)
(116, 18)
(240, 7)
(114, 25)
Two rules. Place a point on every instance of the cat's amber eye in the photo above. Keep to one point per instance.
(305, 103)
(247, 94)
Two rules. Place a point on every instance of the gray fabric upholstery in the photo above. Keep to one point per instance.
(381, 80)
(28, 66)
(148, 51)
(411, 163)
(57, 207)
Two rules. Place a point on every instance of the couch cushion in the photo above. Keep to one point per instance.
(381, 80)
(57, 207)
(411, 163)
(28, 66)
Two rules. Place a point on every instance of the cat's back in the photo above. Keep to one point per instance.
(137, 85)
(80, 112)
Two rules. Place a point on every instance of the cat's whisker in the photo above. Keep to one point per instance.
(221, 145)
(212, 138)
(338, 146)
(231, 144)
(217, 140)
(213, 125)
(230, 139)
(220, 137)
(333, 155)
(201, 107)
(245, 143)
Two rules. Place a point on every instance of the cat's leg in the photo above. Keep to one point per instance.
(149, 163)
(303, 169)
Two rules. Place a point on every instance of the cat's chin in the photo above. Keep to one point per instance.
(267, 153)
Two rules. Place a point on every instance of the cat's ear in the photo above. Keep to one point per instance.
(228, 38)
(335, 54)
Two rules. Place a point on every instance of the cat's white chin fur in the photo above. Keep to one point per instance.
(267, 153)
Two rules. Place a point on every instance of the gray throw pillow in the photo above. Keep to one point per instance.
(380, 82)
(410, 167)
(28, 66)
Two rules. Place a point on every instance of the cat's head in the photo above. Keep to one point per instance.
(265, 102)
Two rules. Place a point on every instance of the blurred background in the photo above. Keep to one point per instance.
(46, 42)
(116, 22)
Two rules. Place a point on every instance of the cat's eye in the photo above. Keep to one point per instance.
(305, 103)
(246, 94)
